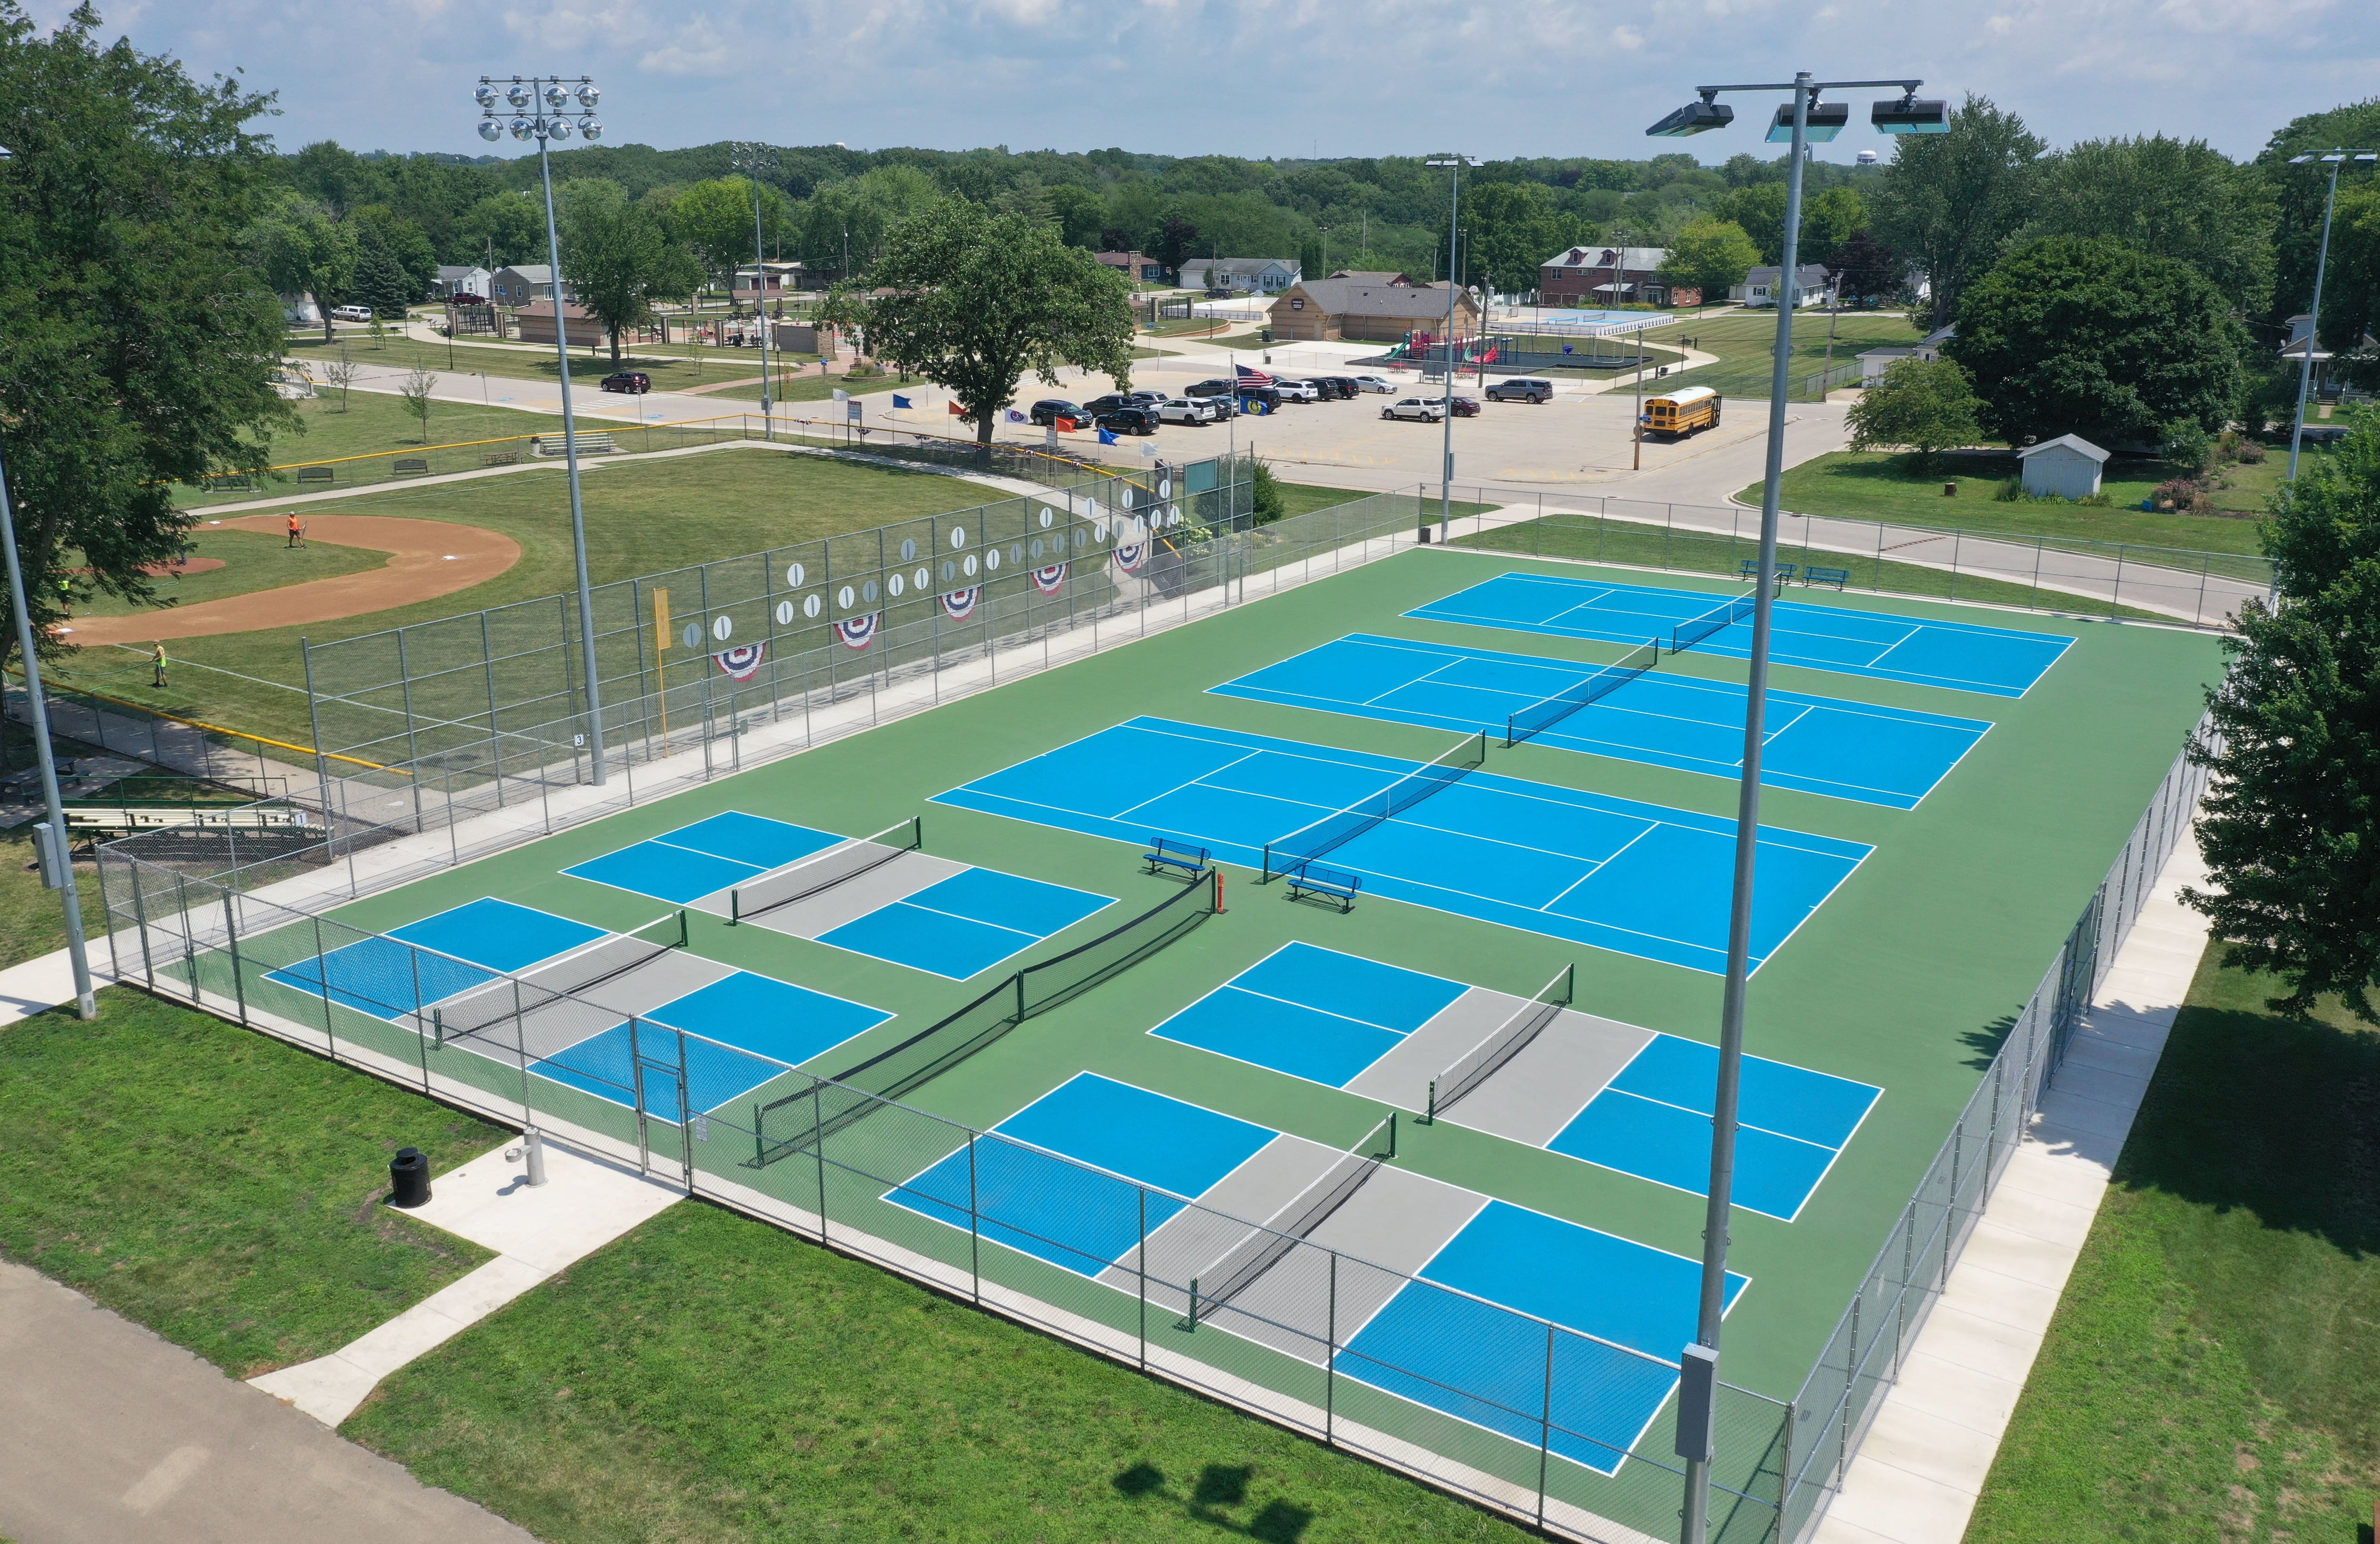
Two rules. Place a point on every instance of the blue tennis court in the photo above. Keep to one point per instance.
(1639, 879)
(457, 949)
(2000, 662)
(1818, 745)
(962, 925)
(685, 865)
(1312, 1013)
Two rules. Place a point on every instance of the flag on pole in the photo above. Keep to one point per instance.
(1251, 377)
(1106, 438)
(900, 401)
(842, 395)
(957, 411)
(1016, 417)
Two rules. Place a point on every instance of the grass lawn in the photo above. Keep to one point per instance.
(376, 423)
(1744, 341)
(1876, 486)
(1595, 539)
(218, 1186)
(711, 1378)
(2212, 1372)
(672, 367)
(252, 560)
(642, 517)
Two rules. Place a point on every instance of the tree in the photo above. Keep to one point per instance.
(1948, 200)
(615, 258)
(1869, 271)
(138, 339)
(1828, 217)
(1709, 255)
(2074, 337)
(379, 280)
(2166, 197)
(1829, 220)
(404, 242)
(340, 372)
(715, 219)
(2300, 193)
(1924, 407)
(1172, 243)
(2291, 831)
(502, 230)
(1078, 212)
(1512, 227)
(1758, 210)
(302, 251)
(977, 300)
(415, 390)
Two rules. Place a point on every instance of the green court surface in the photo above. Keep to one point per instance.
(1903, 976)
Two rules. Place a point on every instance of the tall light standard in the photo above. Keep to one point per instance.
(54, 856)
(1454, 163)
(544, 108)
(1799, 122)
(752, 160)
(2334, 159)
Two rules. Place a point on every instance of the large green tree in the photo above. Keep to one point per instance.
(1510, 229)
(1924, 407)
(975, 300)
(137, 341)
(301, 250)
(501, 230)
(1948, 201)
(1711, 256)
(2300, 194)
(2171, 198)
(715, 219)
(2067, 335)
(2291, 824)
(615, 258)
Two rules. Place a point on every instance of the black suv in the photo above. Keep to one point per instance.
(634, 382)
(1052, 409)
(1345, 387)
(1100, 406)
(1129, 421)
(1259, 400)
(1521, 389)
(1215, 387)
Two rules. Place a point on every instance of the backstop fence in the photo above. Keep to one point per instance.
(1508, 1409)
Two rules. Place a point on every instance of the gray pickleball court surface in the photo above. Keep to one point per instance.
(847, 900)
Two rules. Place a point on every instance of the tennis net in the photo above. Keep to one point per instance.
(1237, 1268)
(1310, 842)
(1510, 1037)
(1685, 634)
(606, 959)
(1538, 717)
(823, 871)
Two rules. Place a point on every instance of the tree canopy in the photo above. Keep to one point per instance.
(2068, 335)
(1923, 405)
(1948, 201)
(1709, 255)
(615, 260)
(973, 300)
(2166, 197)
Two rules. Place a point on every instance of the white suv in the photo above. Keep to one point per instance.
(1297, 391)
(351, 313)
(1420, 410)
(1189, 409)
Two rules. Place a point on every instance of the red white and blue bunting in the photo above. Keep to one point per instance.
(743, 661)
(960, 603)
(1052, 579)
(859, 632)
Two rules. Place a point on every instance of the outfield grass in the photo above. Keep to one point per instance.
(672, 367)
(2212, 1372)
(711, 1378)
(1874, 486)
(1744, 341)
(375, 423)
(642, 517)
(218, 1186)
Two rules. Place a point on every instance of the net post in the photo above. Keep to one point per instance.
(734, 906)
(682, 935)
(1193, 1305)
(1429, 1116)
(1392, 1134)
(438, 1025)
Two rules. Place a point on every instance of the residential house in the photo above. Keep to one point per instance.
(773, 281)
(1874, 362)
(536, 323)
(1241, 275)
(1139, 267)
(521, 284)
(454, 281)
(1375, 276)
(1759, 286)
(1607, 276)
(2066, 467)
(1326, 310)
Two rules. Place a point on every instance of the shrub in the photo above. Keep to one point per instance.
(2251, 452)
(2010, 491)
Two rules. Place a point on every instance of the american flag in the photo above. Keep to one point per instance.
(1249, 377)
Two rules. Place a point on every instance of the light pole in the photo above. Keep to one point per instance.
(1454, 163)
(2334, 159)
(542, 108)
(86, 1006)
(752, 160)
(1799, 122)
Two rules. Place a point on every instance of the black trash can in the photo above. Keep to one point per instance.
(408, 1178)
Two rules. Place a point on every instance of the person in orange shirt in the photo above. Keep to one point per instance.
(297, 532)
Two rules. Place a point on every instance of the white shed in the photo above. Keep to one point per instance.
(2066, 467)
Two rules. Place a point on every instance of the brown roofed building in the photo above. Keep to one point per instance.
(1324, 309)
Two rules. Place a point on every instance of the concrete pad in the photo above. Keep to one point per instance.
(1980, 1400)
(585, 1203)
(330, 1387)
(38, 985)
(1985, 1345)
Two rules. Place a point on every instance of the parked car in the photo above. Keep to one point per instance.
(1380, 383)
(1259, 399)
(1215, 387)
(636, 382)
(1521, 389)
(1464, 406)
(1052, 409)
(1297, 391)
(1146, 399)
(465, 297)
(1189, 409)
(1419, 409)
(1100, 406)
(1128, 421)
(351, 313)
(1219, 293)
(1342, 386)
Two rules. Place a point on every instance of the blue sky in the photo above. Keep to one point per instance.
(1258, 77)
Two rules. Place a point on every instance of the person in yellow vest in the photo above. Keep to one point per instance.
(157, 665)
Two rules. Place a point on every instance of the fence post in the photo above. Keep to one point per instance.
(817, 1136)
(1142, 1260)
(974, 1226)
(141, 921)
(1545, 1426)
(495, 735)
(413, 958)
(1330, 1359)
(322, 969)
(231, 941)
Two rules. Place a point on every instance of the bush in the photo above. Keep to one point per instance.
(1266, 500)
(2184, 495)
(2251, 452)
(2187, 446)
(2010, 491)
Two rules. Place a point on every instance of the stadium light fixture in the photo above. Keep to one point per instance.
(1454, 163)
(752, 159)
(570, 104)
(2335, 159)
(1802, 119)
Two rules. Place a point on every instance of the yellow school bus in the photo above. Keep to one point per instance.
(1680, 413)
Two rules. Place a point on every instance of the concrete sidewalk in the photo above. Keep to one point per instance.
(109, 1433)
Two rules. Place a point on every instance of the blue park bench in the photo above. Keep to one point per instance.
(1165, 852)
(1751, 566)
(1332, 884)
(1838, 578)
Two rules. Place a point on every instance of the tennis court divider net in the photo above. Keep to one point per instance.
(1538, 717)
(847, 1097)
(1340, 827)
(823, 871)
(606, 959)
(1685, 634)
(1510, 1037)
(1237, 1269)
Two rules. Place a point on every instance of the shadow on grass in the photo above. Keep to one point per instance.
(1220, 1489)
